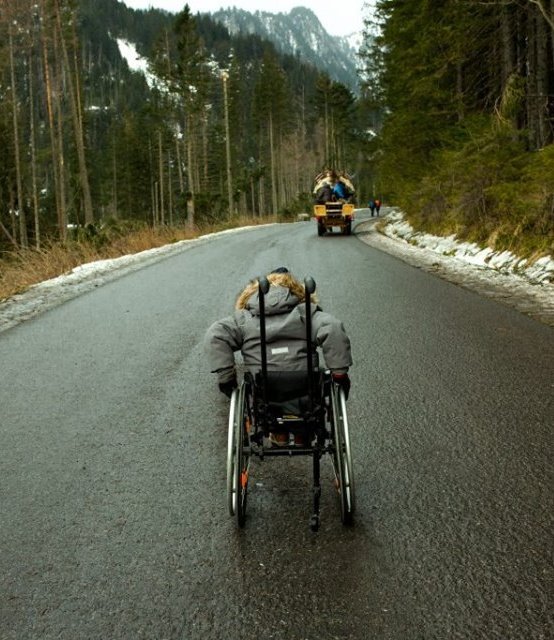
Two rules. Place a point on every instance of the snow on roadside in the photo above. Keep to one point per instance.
(530, 289)
(541, 271)
(50, 293)
(500, 276)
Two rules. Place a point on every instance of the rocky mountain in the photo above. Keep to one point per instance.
(299, 32)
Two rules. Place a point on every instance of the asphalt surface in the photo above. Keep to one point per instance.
(113, 516)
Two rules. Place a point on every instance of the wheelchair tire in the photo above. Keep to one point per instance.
(242, 456)
(238, 457)
(342, 458)
(231, 454)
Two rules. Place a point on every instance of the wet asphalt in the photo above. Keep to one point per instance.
(113, 516)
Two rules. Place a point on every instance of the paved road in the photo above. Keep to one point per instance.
(113, 510)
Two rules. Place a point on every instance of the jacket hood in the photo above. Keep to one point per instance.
(277, 300)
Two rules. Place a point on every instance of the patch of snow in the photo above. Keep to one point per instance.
(510, 280)
(541, 271)
(50, 293)
(137, 63)
(506, 278)
(355, 40)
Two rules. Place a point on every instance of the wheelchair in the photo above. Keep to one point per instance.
(307, 406)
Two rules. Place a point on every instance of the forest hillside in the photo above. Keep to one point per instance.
(219, 125)
(114, 121)
(466, 142)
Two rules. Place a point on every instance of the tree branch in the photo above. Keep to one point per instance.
(544, 12)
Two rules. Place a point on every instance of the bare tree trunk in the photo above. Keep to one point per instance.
(326, 133)
(77, 123)
(552, 34)
(281, 173)
(261, 195)
(542, 81)
(169, 188)
(273, 167)
(225, 78)
(161, 177)
(77, 75)
(531, 87)
(23, 241)
(32, 145)
(156, 191)
(303, 134)
(61, 163)
(153, 184)
(190, 190)
(334, 149)
(13, 218)
(59, 137)
(253, 195)
(60, 202)
(549, 17)
(506, 36)
(179, 165)
(114, 175)
(205, 151)
(261, 178)
(9, 235)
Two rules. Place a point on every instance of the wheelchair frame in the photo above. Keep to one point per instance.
(324, 427)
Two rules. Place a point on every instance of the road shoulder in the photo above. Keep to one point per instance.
(534, 300)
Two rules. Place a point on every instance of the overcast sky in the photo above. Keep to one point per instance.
(339, 18)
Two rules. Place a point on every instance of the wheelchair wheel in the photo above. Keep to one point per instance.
(342, 458)
(238, 458)
(231, 452)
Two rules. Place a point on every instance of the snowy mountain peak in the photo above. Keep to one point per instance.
(299, 32)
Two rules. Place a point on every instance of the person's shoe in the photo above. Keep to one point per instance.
(279, 439)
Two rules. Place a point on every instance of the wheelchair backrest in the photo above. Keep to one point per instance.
(299, 383)
(282, 386)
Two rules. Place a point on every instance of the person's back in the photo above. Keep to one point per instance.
(324, 194)
(339, 190)
(286, 345)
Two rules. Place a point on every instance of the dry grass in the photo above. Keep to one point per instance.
(21, 269)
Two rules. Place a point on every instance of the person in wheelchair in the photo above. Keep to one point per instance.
(285, 328)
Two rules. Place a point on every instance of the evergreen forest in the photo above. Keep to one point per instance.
(454, 121)
(466, 89)
(220, 126)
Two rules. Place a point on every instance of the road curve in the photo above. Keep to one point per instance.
(114, 521)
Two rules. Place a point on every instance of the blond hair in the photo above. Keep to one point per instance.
(286, 280)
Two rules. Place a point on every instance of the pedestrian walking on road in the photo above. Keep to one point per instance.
(371, 206)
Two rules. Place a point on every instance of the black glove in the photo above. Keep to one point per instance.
(343, 381)
(228, 387)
